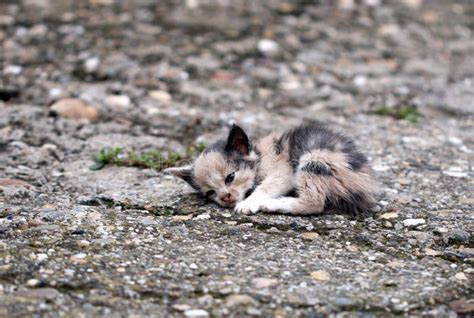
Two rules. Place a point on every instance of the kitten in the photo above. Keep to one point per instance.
(306, 170)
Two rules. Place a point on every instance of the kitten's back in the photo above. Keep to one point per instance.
(335, 164)
(307, 138)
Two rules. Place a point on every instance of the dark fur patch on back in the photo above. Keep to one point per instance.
(356, 160)
(305, 139)
(317, 167)
(356, 205)
(292, 193)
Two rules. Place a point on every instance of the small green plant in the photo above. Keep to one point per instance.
(152, 159)
(105, 156)
(409, 113)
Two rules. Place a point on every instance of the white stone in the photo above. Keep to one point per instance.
(346, 5)
(413, 4)
(55, 92)
(268, 47)
(12, 70)
(389, 30)
(461, 276)
(263, 282)
(83, 243)
(122, 101)
(91, 64)
(80, 256)
(161, 96)
(413, 222)
(465, 149)
(322, 276)
(193, 266)
(41, 257)
(6, 20)
(181, 307)
(455, 141)
(389, 216)
(290, 84)
(204, 216)
(380, 168)
(360, 80)
(196, 313)
(32, 282)
(455, 174)
(192, 4)
(372, 3)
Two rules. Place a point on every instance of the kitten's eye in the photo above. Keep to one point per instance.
(210, 193)
(230, 178)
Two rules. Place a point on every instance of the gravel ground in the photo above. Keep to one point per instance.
(77, 76)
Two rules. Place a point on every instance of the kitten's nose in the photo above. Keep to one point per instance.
(227, 198)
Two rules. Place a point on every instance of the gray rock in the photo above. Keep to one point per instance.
(459, 236)
(345, 302)
(42, 293)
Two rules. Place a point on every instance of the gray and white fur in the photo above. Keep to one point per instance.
(307, 170)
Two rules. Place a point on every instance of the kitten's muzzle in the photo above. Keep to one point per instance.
(228, 198)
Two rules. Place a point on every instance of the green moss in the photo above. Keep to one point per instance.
(105, 156)
(409, 113)
(152, 159)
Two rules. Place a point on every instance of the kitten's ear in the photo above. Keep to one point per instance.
(185, 173)
(238, 141)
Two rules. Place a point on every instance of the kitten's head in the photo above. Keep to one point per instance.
(225, 171)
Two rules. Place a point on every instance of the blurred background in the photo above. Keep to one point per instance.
(174, 67)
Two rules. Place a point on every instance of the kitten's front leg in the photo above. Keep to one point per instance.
(252, 204)
(271, 187)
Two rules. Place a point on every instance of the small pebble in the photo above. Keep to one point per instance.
(432, 252)
(12, 70)
(268, 47)
(204, 216)
(181, 307)
(413, 222)
(41, 257)
(460, 276)
(32, 282)
(321, 276)
(309, 236)
(83, 243)
(455, 174)
(457, 236)
(239, 300)
(75, 109)
(161, 96)
(455, 141)
(119, 101)
(389, 216)
(91, 64)
(186, 217)
(196, 313)
(262, 282)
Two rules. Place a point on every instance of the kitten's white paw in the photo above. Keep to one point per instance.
(247, 207)
(270, 206)
(277, 205)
